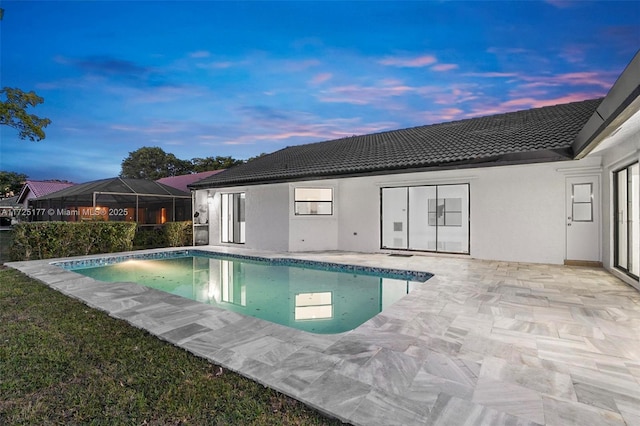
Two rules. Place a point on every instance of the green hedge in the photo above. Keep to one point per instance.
(171, 234)
(45, 240)
(178, 234)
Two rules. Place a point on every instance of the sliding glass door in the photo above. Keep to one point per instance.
(233, 223)
(426, 218)
(627, 220)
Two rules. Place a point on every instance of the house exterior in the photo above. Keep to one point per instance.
(557, 184)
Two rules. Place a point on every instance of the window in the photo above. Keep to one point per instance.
(582, 202)
(313, 201)
(627, 220)
(232, 218)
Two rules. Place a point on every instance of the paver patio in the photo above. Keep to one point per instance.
(482, 342)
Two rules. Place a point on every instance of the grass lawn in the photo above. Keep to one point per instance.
(62, 362)
(5, 240)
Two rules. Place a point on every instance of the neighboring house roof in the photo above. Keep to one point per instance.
(40, 188)
(115, 187)
(181, 182)
(540, 134)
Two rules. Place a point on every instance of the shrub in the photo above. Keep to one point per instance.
(178, 234)
(45, 240)
(148, 237)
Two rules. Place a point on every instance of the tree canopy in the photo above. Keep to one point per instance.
(213, 163)
(13, 113)
(11, 183)
(153, 163)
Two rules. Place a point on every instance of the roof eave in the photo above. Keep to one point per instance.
(620, 103)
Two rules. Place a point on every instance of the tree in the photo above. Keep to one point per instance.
(11, 183)
(13, 113)
(214, 163)
(153, 163)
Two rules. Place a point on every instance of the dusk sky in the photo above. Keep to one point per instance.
(208, 78)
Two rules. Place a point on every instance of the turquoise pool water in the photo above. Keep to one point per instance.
(310, 296)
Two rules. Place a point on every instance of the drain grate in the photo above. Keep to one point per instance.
(400, 255)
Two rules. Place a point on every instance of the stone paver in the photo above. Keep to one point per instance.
(482, 342)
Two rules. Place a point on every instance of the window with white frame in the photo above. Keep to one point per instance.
(313, 201)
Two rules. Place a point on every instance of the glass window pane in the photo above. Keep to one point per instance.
(313, 208)
(582, 193)
(454, 238)
(394, 218)
(423, 217)
(621, 219)
(313, 194)
(582, 212)
(224, 218)
(634, 219)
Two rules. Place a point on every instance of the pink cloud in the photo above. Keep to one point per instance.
(574, 54)
(444, 67)
(443, 115)
(456, 95)
(418, 61)
(530, 102)
(538, 103)
(573, 79)
(327, 130)
(321, 78)
(492, 74)
(362, 95)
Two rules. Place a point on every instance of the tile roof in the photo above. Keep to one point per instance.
(181, 182)
(539, 134)
(40, 188)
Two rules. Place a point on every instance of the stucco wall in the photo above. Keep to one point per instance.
(267, 216)
(517, 212)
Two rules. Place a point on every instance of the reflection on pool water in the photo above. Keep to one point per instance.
(302, 297)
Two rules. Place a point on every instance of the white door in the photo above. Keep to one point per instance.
(583, 218)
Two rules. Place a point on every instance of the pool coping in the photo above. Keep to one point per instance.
(293, 362)
(74, 264)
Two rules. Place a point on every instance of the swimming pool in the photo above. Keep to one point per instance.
(312, 296)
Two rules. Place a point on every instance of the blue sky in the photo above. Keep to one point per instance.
(208, 78)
